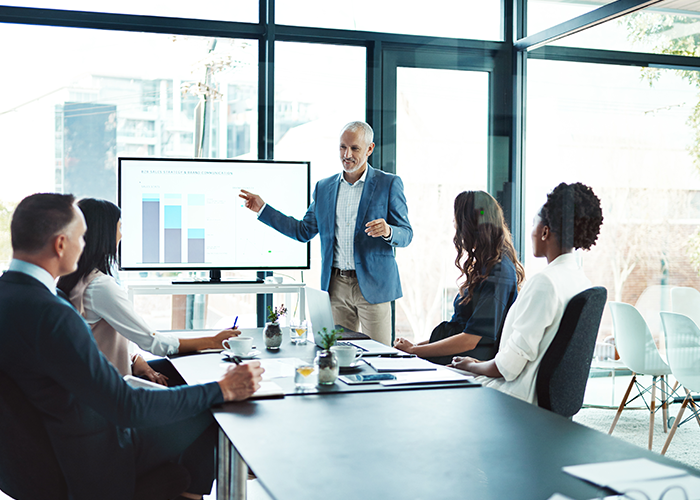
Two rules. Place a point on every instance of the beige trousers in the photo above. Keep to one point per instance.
(350, 309)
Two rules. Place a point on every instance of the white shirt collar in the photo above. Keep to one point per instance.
(361, 179)
(36, 272)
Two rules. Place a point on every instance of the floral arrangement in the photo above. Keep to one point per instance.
(274, 316)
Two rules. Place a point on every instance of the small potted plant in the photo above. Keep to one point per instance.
(326, 361)
(272, 334)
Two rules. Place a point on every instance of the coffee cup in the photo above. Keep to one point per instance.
(346, 354)
(238, 346)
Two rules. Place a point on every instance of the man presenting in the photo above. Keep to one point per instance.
(104, 433)
(361, 217)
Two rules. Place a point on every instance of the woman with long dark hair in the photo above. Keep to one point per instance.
(105, 306)
(570, 219)
(491, 275)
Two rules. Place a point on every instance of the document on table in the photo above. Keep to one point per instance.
(640, 478)
(390, 364)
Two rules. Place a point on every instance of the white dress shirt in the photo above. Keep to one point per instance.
(531, 324)
(105, 299)
(36, 272)
(346, 208)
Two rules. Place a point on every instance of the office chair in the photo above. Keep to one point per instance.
(563, 373)
(638, 352)
(29, 469)
(683, 351)
(686, 300)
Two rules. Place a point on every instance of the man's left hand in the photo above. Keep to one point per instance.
(378, 228)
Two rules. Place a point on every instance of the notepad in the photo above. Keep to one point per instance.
(400, 364)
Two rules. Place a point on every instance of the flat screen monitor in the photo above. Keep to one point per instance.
(185, 214)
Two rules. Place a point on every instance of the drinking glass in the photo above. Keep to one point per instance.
(304, 376)
(298, 331)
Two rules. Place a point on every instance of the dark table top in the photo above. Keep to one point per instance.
(472, 443)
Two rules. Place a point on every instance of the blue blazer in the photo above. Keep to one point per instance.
(87, 408)
(382, 198)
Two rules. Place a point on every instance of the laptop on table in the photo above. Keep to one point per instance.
(321, 315)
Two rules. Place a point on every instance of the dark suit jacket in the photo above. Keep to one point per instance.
(87, 408)
(382, 198)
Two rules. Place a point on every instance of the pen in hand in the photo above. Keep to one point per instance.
(235, 322)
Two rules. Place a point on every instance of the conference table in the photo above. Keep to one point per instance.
(446, 442)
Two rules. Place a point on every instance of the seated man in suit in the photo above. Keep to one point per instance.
(104, 433)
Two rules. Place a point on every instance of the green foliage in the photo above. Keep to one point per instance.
(6, 211)
(274, 316)
(680, 36)
(328, 340)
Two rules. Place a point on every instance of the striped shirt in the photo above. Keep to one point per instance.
(345, 220)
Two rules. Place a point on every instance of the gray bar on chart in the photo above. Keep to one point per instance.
(150, 228)
(172, 243)
(195, 250)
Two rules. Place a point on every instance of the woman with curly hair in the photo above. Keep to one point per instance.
(492, 275)
(570, 219)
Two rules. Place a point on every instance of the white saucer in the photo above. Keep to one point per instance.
(251, 355)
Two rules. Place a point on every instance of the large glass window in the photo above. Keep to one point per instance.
(318, 89)
(78, 99)
(669, 27)
(220, 10)
(445, 18)
(631, 136)
(441, 150)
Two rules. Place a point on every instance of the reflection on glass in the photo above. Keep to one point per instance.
(318, 89)
(442, 133)
(633, 143)
(220, 10)
(446, 18)
(658, 29)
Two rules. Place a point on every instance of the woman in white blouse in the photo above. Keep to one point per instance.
(105, 306)
(570, 219)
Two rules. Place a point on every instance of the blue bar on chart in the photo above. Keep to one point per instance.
(195, 228)
(172, 238)
(150, 228)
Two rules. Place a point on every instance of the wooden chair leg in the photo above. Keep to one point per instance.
(675, 423)
(695, 408)
(651, 411)
(622, 404)
(664, 405)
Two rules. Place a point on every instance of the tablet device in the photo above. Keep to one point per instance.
(366, 378)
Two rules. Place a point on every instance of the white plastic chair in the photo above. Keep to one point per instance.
(683, 351)
(686, 300)
(637, 350)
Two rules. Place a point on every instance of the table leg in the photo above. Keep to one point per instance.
(232, 472)
(223, 476)
(239, 478)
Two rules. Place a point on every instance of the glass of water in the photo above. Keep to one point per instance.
(304, 376)
(298, 331)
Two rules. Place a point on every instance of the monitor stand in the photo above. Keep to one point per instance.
(215, 279)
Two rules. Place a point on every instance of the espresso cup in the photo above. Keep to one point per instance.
(238, 346)
(346, 354)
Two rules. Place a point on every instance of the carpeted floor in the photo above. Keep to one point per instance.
(633, 427)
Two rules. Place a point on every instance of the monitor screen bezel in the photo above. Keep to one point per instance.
(184, 266)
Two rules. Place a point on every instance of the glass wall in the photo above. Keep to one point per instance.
(441, 150)
(221, 10)
(477, 20)
(74, 100)
(318, 89)
(631, 135)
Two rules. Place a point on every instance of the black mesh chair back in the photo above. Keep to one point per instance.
(564, 370)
